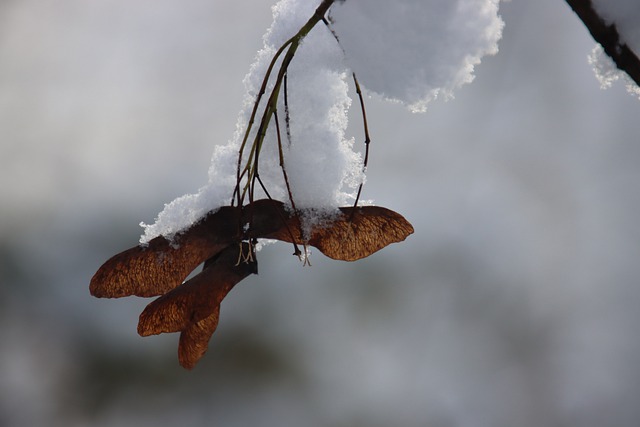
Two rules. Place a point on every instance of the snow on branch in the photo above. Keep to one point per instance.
(608, 35)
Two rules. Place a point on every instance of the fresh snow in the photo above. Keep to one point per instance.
(410, 51)
(415, 51)
(608, 73)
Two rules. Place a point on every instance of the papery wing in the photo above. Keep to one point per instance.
(200, 296)
(161, 265)
(194, 339)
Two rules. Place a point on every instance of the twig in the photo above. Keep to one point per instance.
(291, 47)
(287, 117)
(608, 37)
(263, 89)
(282, 166)
(296, 250)
(367, 139)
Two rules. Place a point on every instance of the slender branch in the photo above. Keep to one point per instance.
(287, 117)
(296, 251)
(291, 47)
(263, 89)
(607, 35)
(282, 166)
(367, 139)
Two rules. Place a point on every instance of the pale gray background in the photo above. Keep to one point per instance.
(515, 303)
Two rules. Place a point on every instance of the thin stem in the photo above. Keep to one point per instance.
(296, 250)
(284, 170)
(367, 139)
(287, 117)
(286, 182)
(263, 89)
(291, 47)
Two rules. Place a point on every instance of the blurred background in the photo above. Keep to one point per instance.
(515, 303)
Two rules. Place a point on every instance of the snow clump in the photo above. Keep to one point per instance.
(412, 51)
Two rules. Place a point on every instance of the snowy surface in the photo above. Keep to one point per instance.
(415, 51)
(410, 51)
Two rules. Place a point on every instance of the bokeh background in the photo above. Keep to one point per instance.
(515, 303)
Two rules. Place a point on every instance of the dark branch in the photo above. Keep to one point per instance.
(607, 35)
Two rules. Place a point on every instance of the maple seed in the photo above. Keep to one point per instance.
(193, 308)
(197, 298)
(227, 250)
(161, 265)
(194, 340)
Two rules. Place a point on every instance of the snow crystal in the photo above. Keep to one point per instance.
(415, 51)
(607, 72)
(412, 51)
